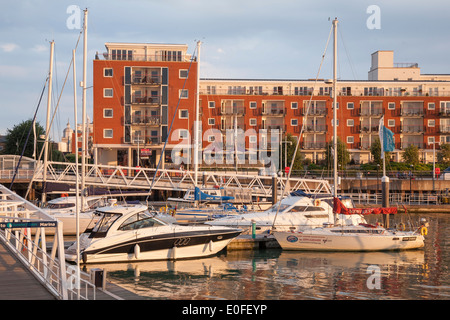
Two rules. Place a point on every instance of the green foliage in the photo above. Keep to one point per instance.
(16, 137)
(411, 155)
(343, 154)
(290, 148)
(375, 150)
(443, 155)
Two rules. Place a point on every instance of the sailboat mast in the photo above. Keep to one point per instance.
(197, 112)
(83, 121)
(47, 126)
(335, 144)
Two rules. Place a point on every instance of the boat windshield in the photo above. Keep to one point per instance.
(282, 207)
(139, 221)
(105, 223)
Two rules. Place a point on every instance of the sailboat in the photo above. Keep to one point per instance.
(357, 237)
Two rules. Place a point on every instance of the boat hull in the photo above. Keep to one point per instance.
(346, 242)
(160, 247)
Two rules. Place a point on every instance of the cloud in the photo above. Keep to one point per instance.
(9, 47)
(39, 48)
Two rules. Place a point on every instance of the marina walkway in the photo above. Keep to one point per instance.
(16, 282)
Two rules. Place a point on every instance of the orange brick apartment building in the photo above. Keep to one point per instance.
(138, 88)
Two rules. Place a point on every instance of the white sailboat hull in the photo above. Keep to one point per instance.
(323, 241)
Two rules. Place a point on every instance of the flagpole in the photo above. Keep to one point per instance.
(385, 178)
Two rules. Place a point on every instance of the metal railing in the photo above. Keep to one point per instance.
(25, 230)
(168, 179)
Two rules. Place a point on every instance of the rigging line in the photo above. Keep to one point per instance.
(28, 135)
(302, 129)
(347, 53)
(171, 125)
(47, 134)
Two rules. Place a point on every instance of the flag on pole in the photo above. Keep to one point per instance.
(387, 138)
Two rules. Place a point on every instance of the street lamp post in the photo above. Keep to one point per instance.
(410, 183)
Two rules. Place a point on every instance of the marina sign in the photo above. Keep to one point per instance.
(38, 224)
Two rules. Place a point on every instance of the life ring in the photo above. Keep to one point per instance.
(401, 227)
(317, 202)
(423, 230)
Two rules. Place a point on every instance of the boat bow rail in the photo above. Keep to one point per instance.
(168, 179)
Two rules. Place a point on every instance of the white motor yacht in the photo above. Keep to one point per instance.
(132, 233)
(352, 237)
(297, 209)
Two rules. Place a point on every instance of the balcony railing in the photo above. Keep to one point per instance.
(228, 110)
(277, 111)
(412, 128)
(411, 112)
(313, 145)
(146, 120)
(315, 111)
(147, 80)
(372, 112)
(145, 140)
(145, 100)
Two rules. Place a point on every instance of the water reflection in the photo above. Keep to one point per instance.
(277, 274)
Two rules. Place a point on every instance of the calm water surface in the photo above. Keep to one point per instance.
(274, 274)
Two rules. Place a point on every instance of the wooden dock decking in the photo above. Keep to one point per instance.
(16, 282)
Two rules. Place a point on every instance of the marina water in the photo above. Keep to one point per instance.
(274, 274)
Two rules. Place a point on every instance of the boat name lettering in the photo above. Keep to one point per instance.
(182, 241)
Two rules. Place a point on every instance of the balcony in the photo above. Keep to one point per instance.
(138, 79)
(146, 120)
(274, 111)
(412, 112)
(145, 140)
(314, 111)
(232, 110)
(145, 100)
(317, 128)
(412, 129)
(375, 112)
(313, 145)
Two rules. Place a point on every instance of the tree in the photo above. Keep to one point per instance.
(16, 137)
(443, 156)
(411, 155)
(290, 148)
(375, 150)
(343, 154)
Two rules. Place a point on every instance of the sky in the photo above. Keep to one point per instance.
(242, 39)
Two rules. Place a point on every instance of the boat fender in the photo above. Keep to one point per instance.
(211, 245)
(423, 230)
(137, 251)
(317, 202)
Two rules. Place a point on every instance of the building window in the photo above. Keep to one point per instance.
(211, 121)
(107, 113)
(211, 89)
(350, 139)
(211, 138)
(108, 93)
(107, 72)
(184, 114)
(350, 105)
(211, 104)
(183, 74)
(253, 122)
(253, 105)
(391, 122)
(431, 122)
(350, 122)
(107, 133)
(391, 106)
(294, 122)
(253, 139)
(431, 106)
(430, 140)
(183, 134)
(184, 93)
(294, 105)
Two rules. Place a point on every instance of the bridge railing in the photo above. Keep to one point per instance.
(170, 179)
